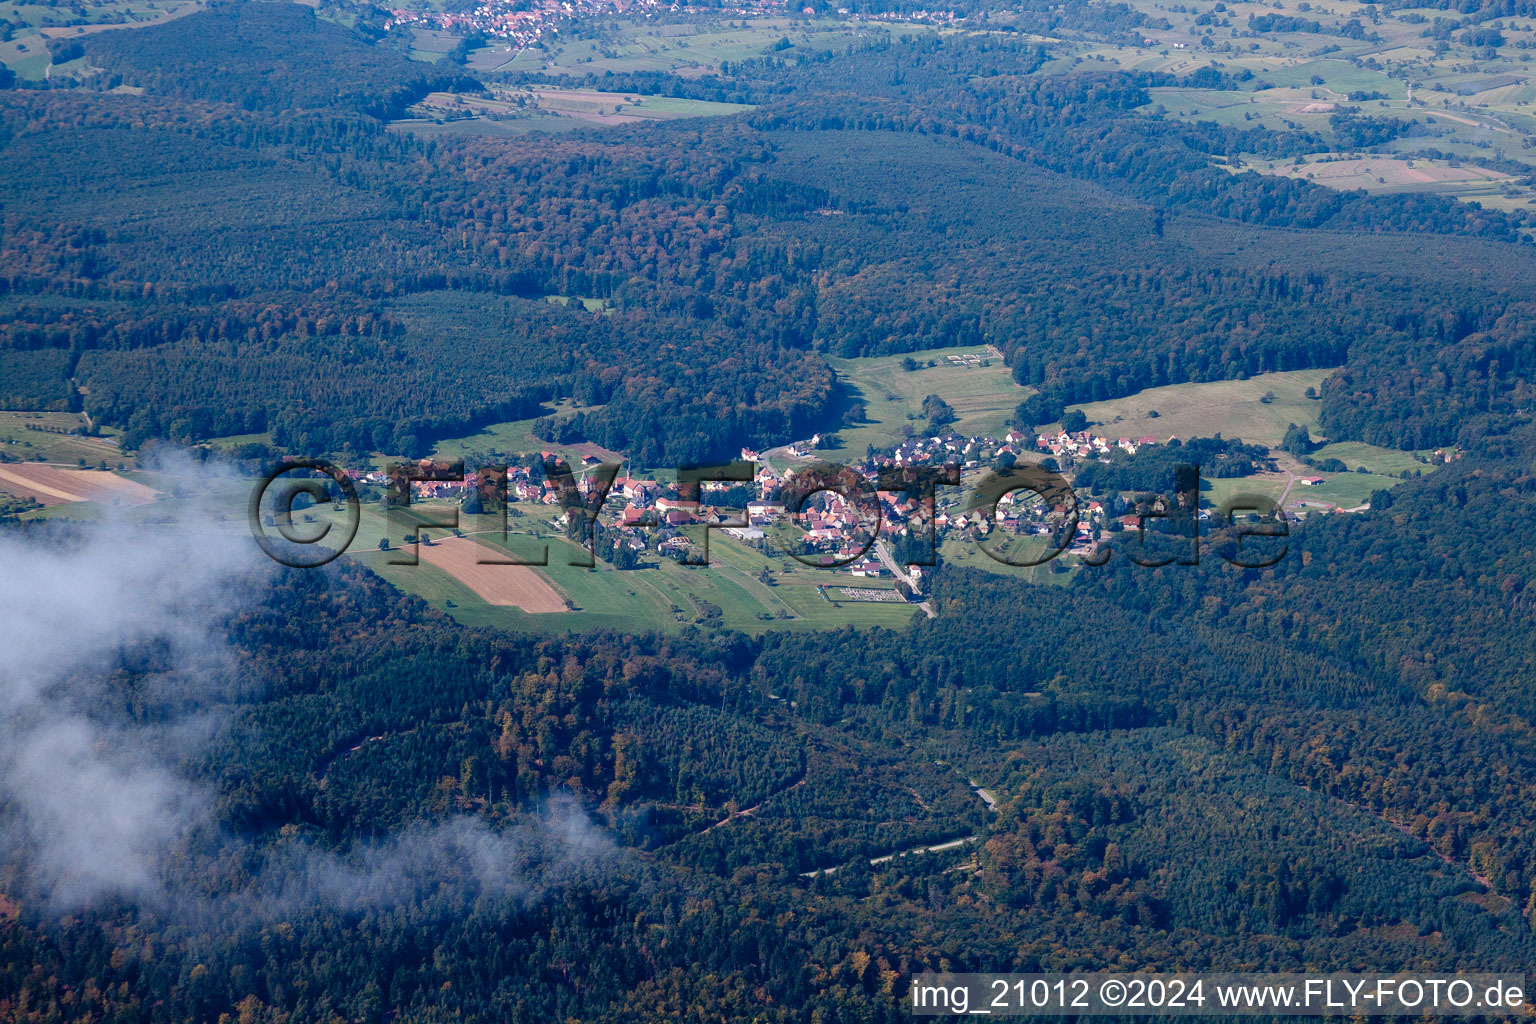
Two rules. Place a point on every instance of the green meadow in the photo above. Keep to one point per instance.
(1231, 408)
(662, 595)
(982, 394)
(1382, 461)
(27, 435)
(628, 46)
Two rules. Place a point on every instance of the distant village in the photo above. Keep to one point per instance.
(649, 515)
(521, 23)
(524, 24)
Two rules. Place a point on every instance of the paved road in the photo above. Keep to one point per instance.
(890, 563)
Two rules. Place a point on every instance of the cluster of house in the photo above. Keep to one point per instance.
(520, 22)
(1084, 444)
(650, 515)
(973, 452)
(643, 512)
(934, 17)
(525, 23)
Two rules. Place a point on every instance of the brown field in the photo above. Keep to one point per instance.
(50, 485)
(508, 586)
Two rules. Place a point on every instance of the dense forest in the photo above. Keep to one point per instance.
(1325, 763)
(1122, 722)
(858, 211)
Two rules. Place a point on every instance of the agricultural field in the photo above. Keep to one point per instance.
(1220, 492)
(1346, 490)
(662, 595)
(501, 586)
(1231, 408)
(961, 552)
(514, 437)
(974, 381)
(1340, 490)
(1387, 173)
(431, 46)
(481, 127)
(46, 437)
(1468, 100)
(230, 442)
(50, 485)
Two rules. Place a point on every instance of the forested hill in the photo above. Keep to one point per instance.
(275, 57)
(344, 805)
(1323, 766)
(263, 216)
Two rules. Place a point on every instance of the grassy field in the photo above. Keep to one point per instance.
(430, 46)
(1346, 490)
(514, 437)
(662, 596)
(1383, 461)
(960, 552)
(1219, 492)
(682, 48)
(559, 109)
(1387, 173)
(480, 127)
(982, 393)
(18, 441)
(1231, 408)
(26, 52)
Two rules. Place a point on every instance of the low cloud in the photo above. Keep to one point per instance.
(91, 801)
(94, 801)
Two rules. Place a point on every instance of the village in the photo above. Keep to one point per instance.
(524, 24)
(650, 516)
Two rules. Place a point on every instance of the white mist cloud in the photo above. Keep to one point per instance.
(462, 855)
(94, 805)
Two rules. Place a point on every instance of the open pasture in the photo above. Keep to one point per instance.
(26, 52)
(27, 435)
(1231, 408)
(1346, 490)
(974, 381)
(1388, 172)
(515, 437)
(685, 49)
(1381, 461)
(1469, 101)
(663, 595)
(962, 552)
(542, 108)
